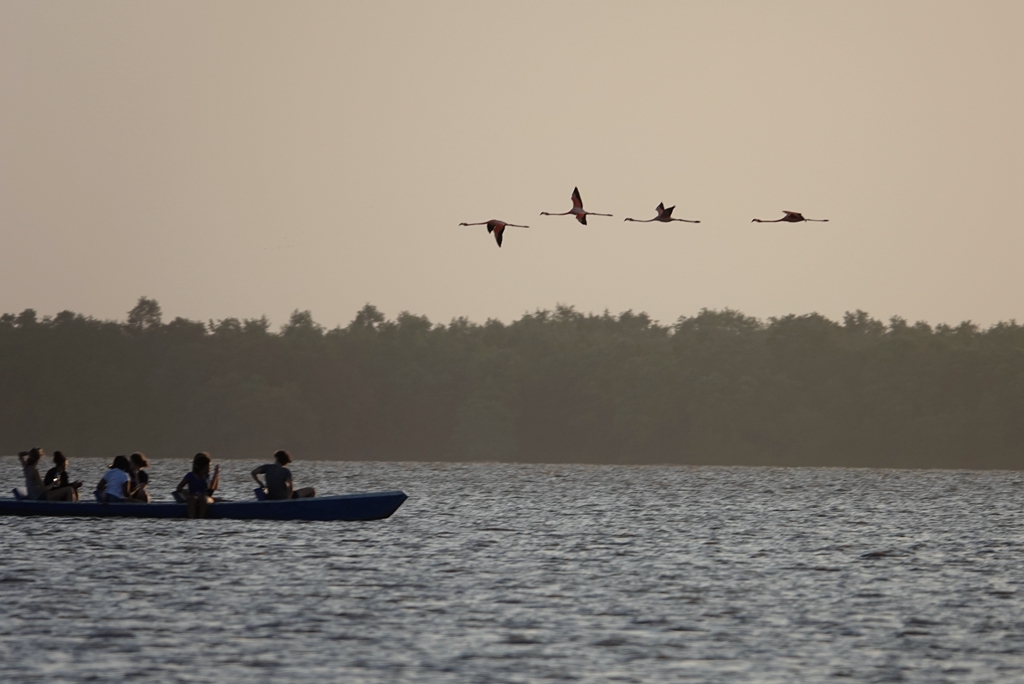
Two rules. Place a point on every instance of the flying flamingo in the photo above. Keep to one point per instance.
(494, 226)
(790, 217)
(577, 209)
(664, 215)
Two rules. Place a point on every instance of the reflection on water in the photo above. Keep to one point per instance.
(524, 573)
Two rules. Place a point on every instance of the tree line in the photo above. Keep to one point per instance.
(553, 386)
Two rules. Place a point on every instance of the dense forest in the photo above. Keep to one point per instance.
(553, 386)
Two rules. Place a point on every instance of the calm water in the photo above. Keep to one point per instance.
(525, 573)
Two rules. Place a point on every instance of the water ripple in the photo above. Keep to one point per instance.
(527, 573)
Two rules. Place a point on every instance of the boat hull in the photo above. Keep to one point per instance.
(369, 506)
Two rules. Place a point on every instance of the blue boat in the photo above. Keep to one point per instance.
(370, 506)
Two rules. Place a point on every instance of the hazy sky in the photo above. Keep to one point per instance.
(240, 159)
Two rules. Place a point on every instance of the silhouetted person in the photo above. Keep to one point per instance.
(279, 479)
(57, 476)
(197, 487)
(37, 489)
(139, 476)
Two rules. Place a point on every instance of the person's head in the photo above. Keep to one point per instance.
(121, 463)
(34, 454)
(60, 460)
(139, 460)
(282, 457)
(201, 463)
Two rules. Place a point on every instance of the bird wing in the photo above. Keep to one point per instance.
(577, 201)
(668, 212)
(792, 213)
(660, 208)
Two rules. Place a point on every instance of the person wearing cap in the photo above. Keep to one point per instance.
(279, 483)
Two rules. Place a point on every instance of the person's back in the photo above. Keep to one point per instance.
(279, 483)
(115, 487)
(279, 480)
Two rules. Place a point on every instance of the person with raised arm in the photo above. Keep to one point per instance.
(279, 483)
(197, 487)
(37, 489)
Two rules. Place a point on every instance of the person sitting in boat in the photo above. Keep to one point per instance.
(116, 485)
(197, 487)
(57, 476)
(139, 476)
(37, 489)
(279, 479)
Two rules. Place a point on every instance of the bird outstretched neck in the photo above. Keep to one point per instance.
(788, 217)
(662, 220)
(577, 210)
(664, 216)
(496, 227)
